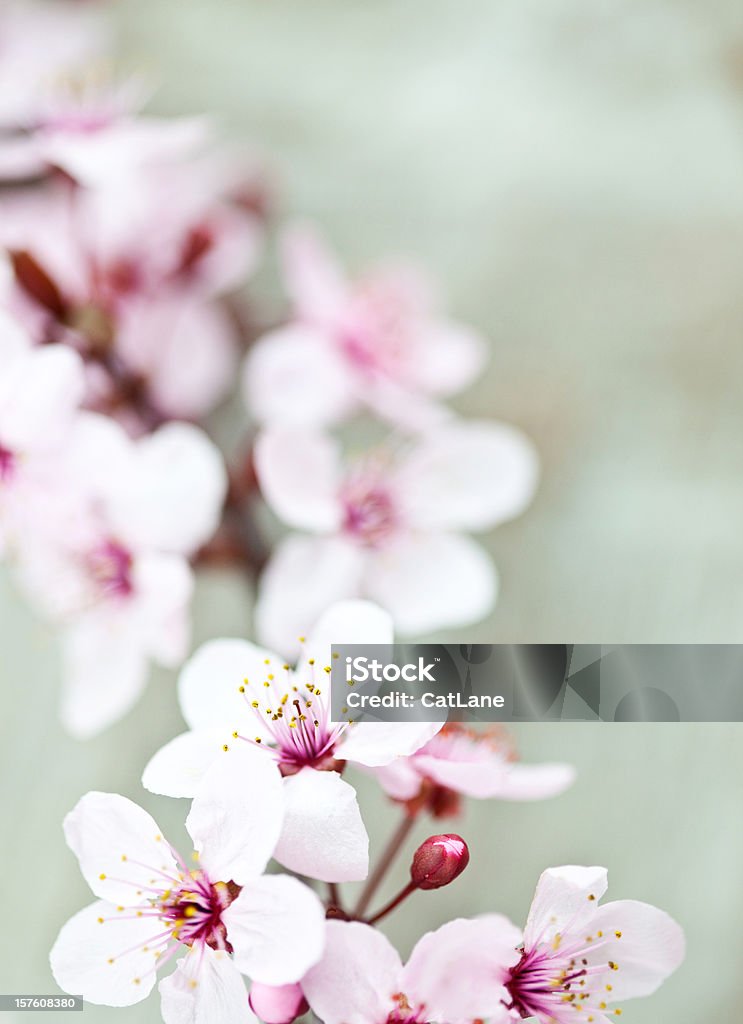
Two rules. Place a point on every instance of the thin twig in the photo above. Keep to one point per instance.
(384, 863)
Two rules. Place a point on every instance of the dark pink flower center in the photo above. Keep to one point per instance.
(7, 464)
(196, 909)
(110, 565)
(370, 515)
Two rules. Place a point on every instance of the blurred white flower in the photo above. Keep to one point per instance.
(40, 392)
(388, 525)
(223, 913)
(110, 563)
(378, 342)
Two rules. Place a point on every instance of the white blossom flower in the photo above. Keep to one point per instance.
(387, 526)
(233, 693)
(222, 913)
(111, 565)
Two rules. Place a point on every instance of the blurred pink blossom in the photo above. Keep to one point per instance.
(111, 565)
(462, 761)
(378, 342)
(127, 274)
(40, 391)
(388, 525)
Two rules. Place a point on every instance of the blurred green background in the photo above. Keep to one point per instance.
(573, 174)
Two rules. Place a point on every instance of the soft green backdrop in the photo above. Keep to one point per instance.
(573, 173)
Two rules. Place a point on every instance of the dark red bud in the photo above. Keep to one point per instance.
(438, 861)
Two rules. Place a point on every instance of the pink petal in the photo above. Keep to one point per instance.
(299, 476)
(458, 971)
(356, 979)
(564, 896)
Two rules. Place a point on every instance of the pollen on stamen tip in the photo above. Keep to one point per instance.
(102, 877)
(225, 747)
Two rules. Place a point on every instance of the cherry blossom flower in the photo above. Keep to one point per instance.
(456, 973)
(378, 342)
(233, 693)
(387, 525)
(577, 955)
(40, 391)
(111, 565)
(222, 913)
(128, 274)
(39, 44)
(461, 761)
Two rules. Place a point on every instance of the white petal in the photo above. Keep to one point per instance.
(14, 342)
(357, 977)
(105, 672)
(650, 947)
(106, 963)
(178, 768)
(277, 929)
(163, 588)
(299, 475)
(314, 281)
(399, 779)
(498, 778)
(205, 988)
(346, 622)
(468, 476)
(458, 971)
(48, 392)
(451, 357)
(209, 684)
(323, 835)
(237, 813)
(296, 376)
(564, 896)
(431, 580)
(119, 846)
(172, 498)
(304, 576)
(377, 743)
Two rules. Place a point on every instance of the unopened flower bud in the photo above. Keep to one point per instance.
(438, 861)
(277, 1004)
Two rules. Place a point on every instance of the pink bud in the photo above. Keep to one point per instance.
(438, 861)
(277, 1004)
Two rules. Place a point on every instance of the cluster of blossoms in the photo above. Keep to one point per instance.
(124, 241)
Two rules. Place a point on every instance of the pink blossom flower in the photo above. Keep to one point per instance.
(236, 694)
(456, 973)
(111, 564)
(577, 955)
(40, 390)
(127, 274)
(378, 342)
(388, 525)
(222, 913)
(463, 761)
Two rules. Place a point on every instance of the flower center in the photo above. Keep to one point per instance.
(195, 909)
(370, 516)
(110, 566)
(551, 983)
(293, 721)
(7, 464)
(404, 1012)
